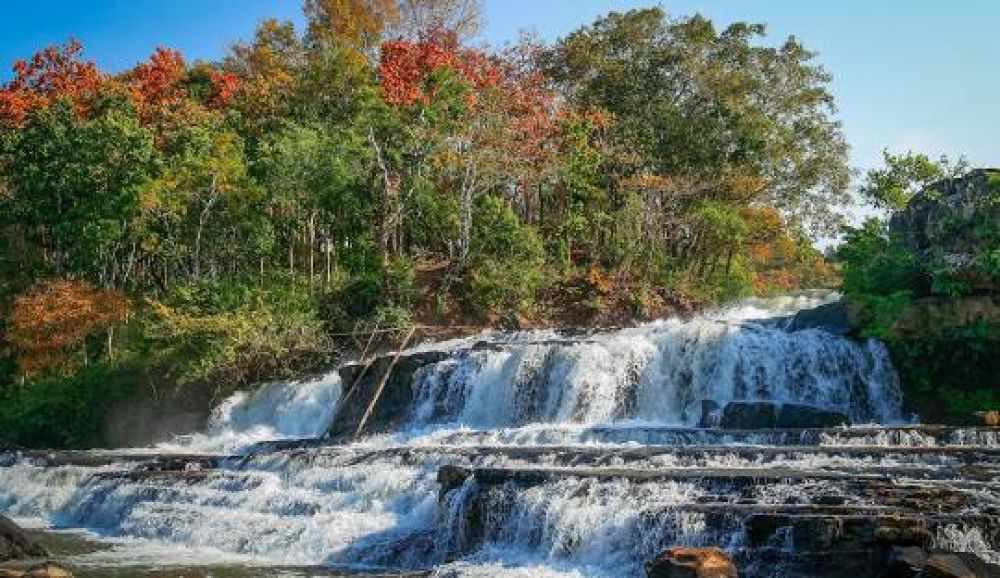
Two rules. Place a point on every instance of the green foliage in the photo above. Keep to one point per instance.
(877, 263)
(508, 259)
(951, 374)
(903, 176)
(64, 412)
(232, 333)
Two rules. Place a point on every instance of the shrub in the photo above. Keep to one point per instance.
(506, 259)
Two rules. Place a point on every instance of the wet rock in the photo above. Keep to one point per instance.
(46, 570)
(767, 415)
(988, 418)
(804, 416)
(947, 566)
(903, 532)
(451, 477)
(691, 563)
(361, 385)
(709, 414)
(832, 318)
(749, 415)
(829, 500)
(906, 562)
(14, 544)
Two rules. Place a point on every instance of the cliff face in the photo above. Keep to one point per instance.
(953, 223)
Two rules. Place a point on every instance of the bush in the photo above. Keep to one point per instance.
(506, 259)
(64, 412)
(231, 334)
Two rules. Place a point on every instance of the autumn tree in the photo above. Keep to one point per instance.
(52, 73)
(50, 324)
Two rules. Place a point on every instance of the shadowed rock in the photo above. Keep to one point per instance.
(14, 544)
(768, 415)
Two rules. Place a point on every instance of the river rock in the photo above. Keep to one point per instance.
(46, 570)
(947, 566)
(14, 544)
(906, 562)
(988, 418)
(769, 415)
(832, 318)
(691, 563)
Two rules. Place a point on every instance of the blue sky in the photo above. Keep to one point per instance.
(908, 74)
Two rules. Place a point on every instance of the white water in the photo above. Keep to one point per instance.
(375, 502)
(277, 411)
(657, 373)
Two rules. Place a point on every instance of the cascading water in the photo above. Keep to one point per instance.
(576, 457)
(281, 410)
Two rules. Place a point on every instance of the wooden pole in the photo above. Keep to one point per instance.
(381, 384)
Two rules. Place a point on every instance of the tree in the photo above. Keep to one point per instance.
(358, 24)
(417, 18)
(903, 176)
(689, 100)
(53, 73)
(51, 322)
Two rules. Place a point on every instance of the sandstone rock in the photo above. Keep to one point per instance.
(691, 563)
(46, 570)
(14, 544)
(988, 418)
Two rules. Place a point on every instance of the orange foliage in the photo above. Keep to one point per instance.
(407, 68)
(56, 71)
(224, 88)
(55, 317)
(158, 82)
(359, 22)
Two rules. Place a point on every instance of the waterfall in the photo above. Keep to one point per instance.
(276, 411)
(656, 373)
(535, 453)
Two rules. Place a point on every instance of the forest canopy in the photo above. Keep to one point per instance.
(379, 165)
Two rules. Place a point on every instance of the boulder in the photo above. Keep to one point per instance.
(947, 566)
(804, 416)
(14, 544)
(46, 570)
(832, 318)
(749, 415)
(988, 418)
(906, 562)
(769, 415)
(691, 563)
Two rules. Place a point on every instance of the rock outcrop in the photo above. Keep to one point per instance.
(361, 384)
(691, 563)
(769, 415)
(832, 318)
(14, 544)
(938, 223)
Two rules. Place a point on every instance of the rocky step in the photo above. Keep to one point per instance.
(535, 476)
(754, 487)
(900, 436)
(822, 539)
(97, 459)
(575, 455)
